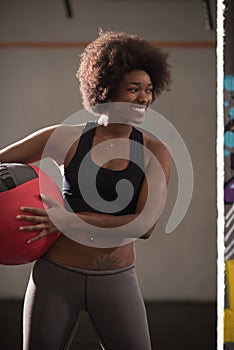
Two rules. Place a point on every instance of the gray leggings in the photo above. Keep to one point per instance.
(56, 294)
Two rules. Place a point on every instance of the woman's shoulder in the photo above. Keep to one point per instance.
(55, 131)
(155, 148)
(153, 144)
(64, 129)
(62, 139)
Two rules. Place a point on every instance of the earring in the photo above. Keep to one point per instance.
(103, 120)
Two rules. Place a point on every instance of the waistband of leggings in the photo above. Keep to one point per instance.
(88, 272)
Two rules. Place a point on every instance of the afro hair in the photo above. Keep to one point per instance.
(107, 59)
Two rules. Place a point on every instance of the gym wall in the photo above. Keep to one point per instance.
(40, 46)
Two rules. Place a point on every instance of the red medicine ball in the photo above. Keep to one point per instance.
(21, 185)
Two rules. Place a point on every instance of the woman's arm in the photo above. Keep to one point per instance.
(28, 149)
(54, 142)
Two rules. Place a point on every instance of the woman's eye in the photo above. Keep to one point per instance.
(149, 91)
(133, 90)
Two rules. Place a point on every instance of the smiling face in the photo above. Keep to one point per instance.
(136, 93)
(136, 87)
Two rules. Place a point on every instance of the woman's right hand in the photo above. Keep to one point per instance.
(45, 221)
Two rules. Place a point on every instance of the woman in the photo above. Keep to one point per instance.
(120, 75)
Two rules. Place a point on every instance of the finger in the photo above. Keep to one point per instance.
(43, 233)
(32, 228)
(49, 201)
(31, 210)
(30, 218)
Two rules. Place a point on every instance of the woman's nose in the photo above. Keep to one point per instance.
(143, 97)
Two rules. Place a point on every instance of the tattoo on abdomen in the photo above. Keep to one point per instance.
(106, 262)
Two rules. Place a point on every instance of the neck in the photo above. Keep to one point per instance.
(109, 127)
(114, 130)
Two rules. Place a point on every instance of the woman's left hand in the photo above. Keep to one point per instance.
(46, 221)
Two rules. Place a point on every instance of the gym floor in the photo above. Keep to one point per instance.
(173, 326)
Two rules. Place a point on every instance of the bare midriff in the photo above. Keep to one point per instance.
(70, 253)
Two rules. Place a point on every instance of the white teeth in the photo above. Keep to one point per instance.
(139, 109)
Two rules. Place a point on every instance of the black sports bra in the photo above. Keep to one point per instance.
(88, 187)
